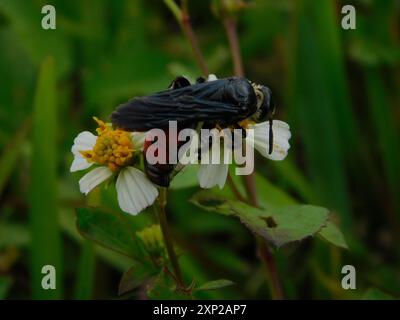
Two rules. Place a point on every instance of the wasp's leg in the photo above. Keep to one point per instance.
(200, 149)
(234, 143)
(199, 155)
(205, 146)
(243, 130)
(271, 137)
(179, 82)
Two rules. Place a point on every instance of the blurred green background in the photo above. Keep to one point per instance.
(338, 89)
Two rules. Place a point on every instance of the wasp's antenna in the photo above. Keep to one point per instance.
(271, 137)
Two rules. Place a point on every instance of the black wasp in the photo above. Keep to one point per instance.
(223, 102)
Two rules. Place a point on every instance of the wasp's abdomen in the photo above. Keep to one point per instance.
(162, 173)
(159, 174)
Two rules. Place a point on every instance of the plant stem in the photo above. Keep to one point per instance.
(234, 189)
(231, 32)
(162, 217)
(190, 35)
(267, 257)
(249, 182)
(183, 18)
(251, 189)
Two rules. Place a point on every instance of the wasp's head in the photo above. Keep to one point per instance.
(265, 110)
(265, 104)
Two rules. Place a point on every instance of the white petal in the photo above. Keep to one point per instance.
(79, 163)
(217, 147)
(135, 191)
(210, 175)
(83, 142)
(93, 178)
(216, 171)
(138, 140)
(260, 137)
(212, 77)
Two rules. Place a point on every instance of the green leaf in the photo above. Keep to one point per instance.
(116, 260)
(376, 294)
(164, 288)
(278, 225)
(215, 284)
(13, 235)
(107, 229)
(135, 276)
(279, 198)
(45, 230)
(332, 234)
(5, 285)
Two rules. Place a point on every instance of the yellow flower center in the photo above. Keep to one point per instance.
(113, 147)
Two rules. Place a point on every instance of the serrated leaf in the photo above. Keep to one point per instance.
(332, 234)
(135, 276)
(107, 229)
(215, 284)
(278, 225)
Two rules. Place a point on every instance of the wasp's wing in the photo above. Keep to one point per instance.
(185, 105)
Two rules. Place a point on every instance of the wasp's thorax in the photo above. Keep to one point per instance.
(265, 104)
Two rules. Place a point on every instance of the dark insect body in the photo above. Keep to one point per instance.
(219, 103)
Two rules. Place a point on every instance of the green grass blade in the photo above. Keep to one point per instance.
(45, 232)
(313, 107)
(385, 131)
(326, 32)
(85, 280)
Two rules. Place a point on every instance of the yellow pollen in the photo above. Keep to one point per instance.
(245, 123)
(113, 147)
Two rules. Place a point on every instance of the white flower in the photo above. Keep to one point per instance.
(210, 175)
(113, 151)
(260, 137)
(84, 141)
(215, 171)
